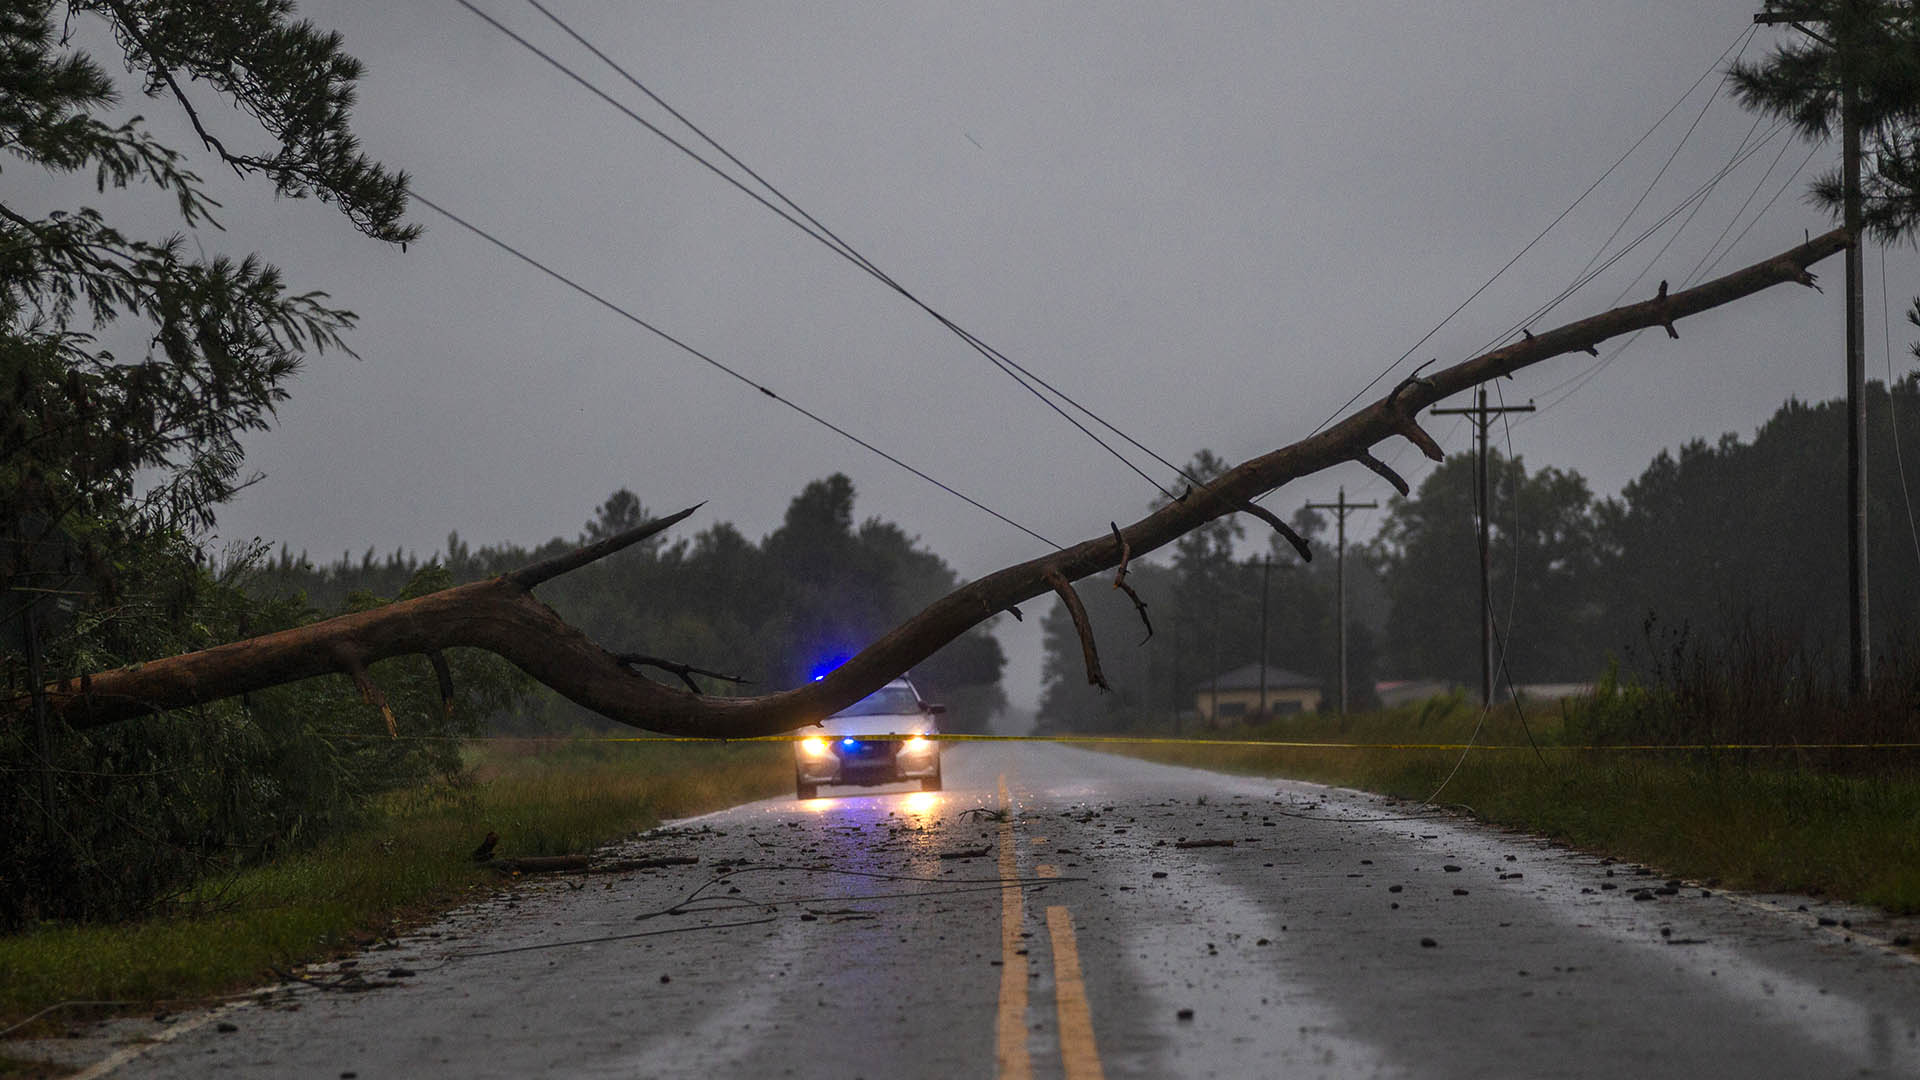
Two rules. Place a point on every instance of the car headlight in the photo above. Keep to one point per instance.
(916, 744)
(814, 746)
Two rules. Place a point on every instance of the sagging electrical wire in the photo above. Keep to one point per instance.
(1664, 166)
(1739, 42)
(1499, 669)
(832, 242)
(711, 362)
(1586, 375)
(1689, 205)
(850, 252)
(1893, 416)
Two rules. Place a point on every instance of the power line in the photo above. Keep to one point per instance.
(710, 361)
(1484, 286)
(1693, 201)
(1651, 184)
(1893, 417)
(1693, 275)
(1019, 373)
(1587, 374)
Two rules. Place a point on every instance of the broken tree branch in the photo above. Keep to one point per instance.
(685, 671)
(442, 678)
(1081, 625)
(356, 669)
(501, 615)
(1120, 581)
(1384, 471)
(1273, 522)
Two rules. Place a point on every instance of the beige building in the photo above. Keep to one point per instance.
(1233, 696)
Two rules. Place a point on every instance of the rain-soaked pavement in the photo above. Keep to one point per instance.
(1124, 919)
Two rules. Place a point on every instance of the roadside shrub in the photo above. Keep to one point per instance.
(142, 811)
(1757, 685)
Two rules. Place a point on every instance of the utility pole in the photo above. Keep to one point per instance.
(1483, 415)
(1266, 570)
(1341, 509)
(1860, 658)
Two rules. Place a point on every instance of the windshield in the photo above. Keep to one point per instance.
(887, 701)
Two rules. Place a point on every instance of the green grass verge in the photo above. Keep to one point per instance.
(411, 859)
(1752, 822)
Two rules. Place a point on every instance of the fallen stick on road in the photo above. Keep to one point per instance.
(584, 864)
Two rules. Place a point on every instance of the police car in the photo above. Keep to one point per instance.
(880, 739)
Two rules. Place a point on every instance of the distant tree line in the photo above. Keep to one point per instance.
(1722, 537)
(808, 595)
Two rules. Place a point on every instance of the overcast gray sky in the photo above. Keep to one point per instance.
(1212, 223)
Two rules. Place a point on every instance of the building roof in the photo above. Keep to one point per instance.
(1247, 677)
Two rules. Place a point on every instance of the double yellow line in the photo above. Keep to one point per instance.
(1079, 1053)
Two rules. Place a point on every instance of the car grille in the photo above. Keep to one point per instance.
(865, 750)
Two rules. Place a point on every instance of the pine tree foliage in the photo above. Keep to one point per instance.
(131, 366)
(1875, 45)
(80, 425)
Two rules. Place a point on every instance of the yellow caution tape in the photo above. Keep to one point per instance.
(1144, 740)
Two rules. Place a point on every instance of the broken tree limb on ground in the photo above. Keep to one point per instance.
(502, 615)
(583, 864)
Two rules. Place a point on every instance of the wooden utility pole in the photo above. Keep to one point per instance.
(1860, 656)
(1482, 415)
(1341, 509)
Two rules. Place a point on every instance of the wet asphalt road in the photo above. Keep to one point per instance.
(1077, 937)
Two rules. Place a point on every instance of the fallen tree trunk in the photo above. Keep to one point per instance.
(502, 615)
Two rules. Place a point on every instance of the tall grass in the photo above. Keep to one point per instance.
(410, 859)
(1609, 774)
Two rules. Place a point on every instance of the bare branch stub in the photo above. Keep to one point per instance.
(686, 672)
(528, 576)
(1403, 418)
(1081, 626)
(356, 669)
(1120, 580)
(1273, 521)
(1384, 471)
(443, 678)
(1126, 555)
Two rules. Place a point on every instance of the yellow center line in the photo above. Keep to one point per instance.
(1078, 1053)
(1046, 870)
(1010, 1043)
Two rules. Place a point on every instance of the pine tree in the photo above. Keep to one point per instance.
(94, 446)
(1875, 45)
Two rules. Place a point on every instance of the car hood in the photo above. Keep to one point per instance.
(883, 724)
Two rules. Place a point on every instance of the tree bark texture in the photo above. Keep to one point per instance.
(502, 615)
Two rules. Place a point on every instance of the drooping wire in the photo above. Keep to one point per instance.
(711, 362)
(1742, 234)
(1693, 200)
(1689, 205)
(1893, 415)
(1694, 275)
(1580, 379)
(832, 242)
(1651, 184)
(1484, 286)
